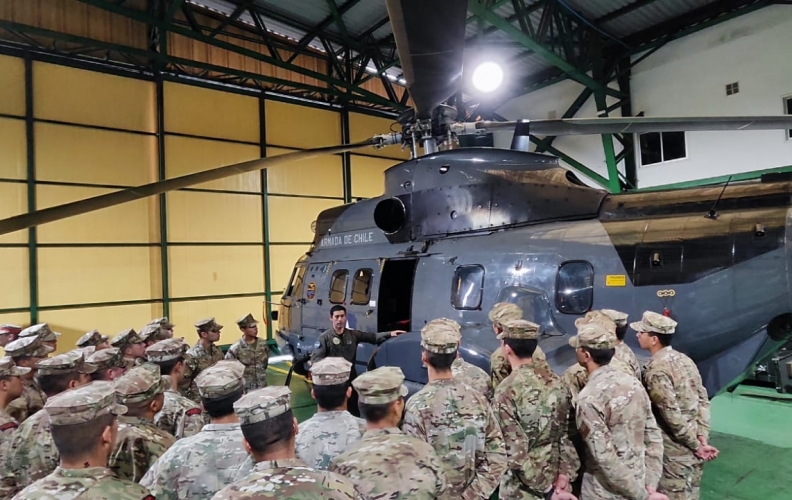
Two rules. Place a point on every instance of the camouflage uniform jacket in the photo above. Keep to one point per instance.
(386, 463)
(624, 444)
(138, 445)
(458, 423)
(500, 367)
(531, 407)
(473, 376)
(32, 453)
(625, 354)
(31, 401)
(326, 435)
(290, 479)
(179, 416)
(197, 467)
(7, 427)
(95, 483)
(197, 359)
(679, 401)
(575, 377)
(255, 357)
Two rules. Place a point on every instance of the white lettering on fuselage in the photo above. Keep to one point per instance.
(347, 239)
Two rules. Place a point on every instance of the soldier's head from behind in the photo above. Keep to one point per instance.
(268, 424)
(94, 338)
(130, 344)
(8, 333)
(594, 344)
(331, 388)
(503, 312)
(166, 325)
(10, 380)
(381, 394)
(439, 345)
(63, 372)
(248, 326)
(208, 330)
(109, 364)
(84, 425)
(220, 386)
(26, 352)
(519, 338)
(338, 318)
(141, 390)
(44, 333)
(655, 331)
(168, 354)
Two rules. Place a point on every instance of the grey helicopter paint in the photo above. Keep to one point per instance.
(457, 231)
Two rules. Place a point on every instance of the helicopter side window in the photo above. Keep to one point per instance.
(361, 287)
(467, 288)
(575, 287)
(338, 286)
(532, 302)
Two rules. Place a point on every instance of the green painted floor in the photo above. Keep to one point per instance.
(750, 427)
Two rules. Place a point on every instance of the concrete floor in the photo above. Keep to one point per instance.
(750, 427)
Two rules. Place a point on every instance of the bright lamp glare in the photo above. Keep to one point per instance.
(487, 77)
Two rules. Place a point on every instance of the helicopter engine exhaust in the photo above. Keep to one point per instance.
(390, 215)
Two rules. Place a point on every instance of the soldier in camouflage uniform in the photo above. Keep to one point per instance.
(623, 352)
(132, 347)
(10, 388)
(197, 467)
(531, 406)
(166, 326)
(681, 407)
(94, 338)
(8, 333)
(379, 464)
(499, 366)
(109, 364)
(32, 453)
(614, 415)
(179, 416)
(332, 429)
(469, 373)
(44, 334)
(83, 427)
(26, 352)
(252, 352)
(139, 443)
(202, 355)
(152, 333)
(270, 429)
(455, 420)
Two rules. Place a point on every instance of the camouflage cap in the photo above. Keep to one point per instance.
(593, 335)
(504, 311)
(263, 404)
(208, 325)
(445, 322)
(519, 329)
(153, 332)
(380, 386)
(221, 379)
(107, 358)
(166, 350)
(83, 404)
(42, 331)
(86, 351)
(164, 323)
(654, 323)
(125, 338)
(69, 362)
(617, 317)
(440, 338)
(27, 346)
(597, 317)
(92, 338)
(247, 322)
(9, 369)
(331, 371)
(139, 384)
(6, 329)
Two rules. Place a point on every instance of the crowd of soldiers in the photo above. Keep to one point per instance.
(606, 429)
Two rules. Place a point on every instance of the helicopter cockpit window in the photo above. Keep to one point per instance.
(338, 286)
(575, 287)
(467, 288)
(361, 287)
(296, 282)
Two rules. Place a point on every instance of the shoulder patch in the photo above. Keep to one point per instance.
(193, 411)
(8, 425)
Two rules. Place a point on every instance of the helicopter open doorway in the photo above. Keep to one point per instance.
(394, 310)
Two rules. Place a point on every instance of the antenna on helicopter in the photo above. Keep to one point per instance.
(713, 214)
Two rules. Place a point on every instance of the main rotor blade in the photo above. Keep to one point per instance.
(642, 125)
(135, 193)
(430, 38)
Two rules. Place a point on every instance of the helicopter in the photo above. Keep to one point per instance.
(457, 230)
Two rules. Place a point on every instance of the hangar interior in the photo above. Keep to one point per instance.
(101, 95)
